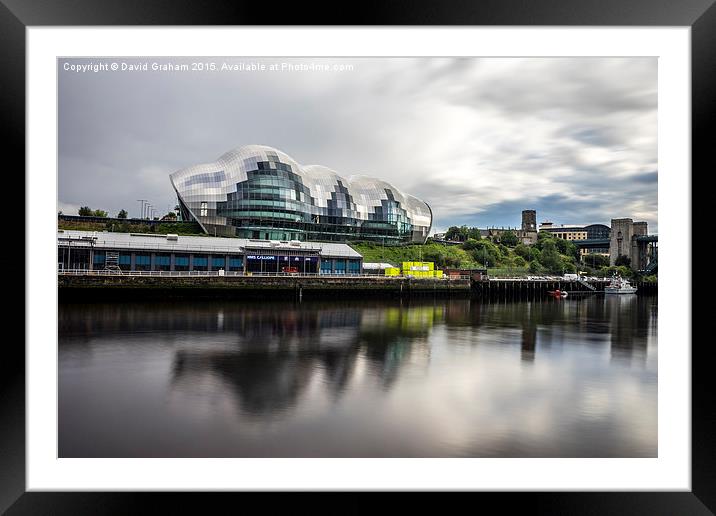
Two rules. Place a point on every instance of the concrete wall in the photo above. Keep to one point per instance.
(127, 282)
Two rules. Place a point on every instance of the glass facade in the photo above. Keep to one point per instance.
(162, 262)
(258, 192)
(236, 264)
(200, 263)
(140, 252)
(142, 262)
(181, 262)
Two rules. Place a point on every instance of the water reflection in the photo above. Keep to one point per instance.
(371, 378)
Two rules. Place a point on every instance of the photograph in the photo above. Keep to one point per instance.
(357, 257)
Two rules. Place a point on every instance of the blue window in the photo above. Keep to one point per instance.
(200, 263)
(182, 261)
(340, 266)
(161, 260)
(98, 258)
(354, 266)
(125, 259)
(142, 261)
(218, 262)
(326, 266)
(236, 263)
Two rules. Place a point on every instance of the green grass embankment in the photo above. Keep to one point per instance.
(178, 228)
(443, 255)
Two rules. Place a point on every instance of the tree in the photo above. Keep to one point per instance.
(621, 270)
(622, 259)
(85, 211)
(544, 235)
(99, 213)
(122, 214)
(569, 267)
(509, 238)
(459, 234)
(486, 251)
(470, 244)
(170, 215)
(518, 261)
(536, 267)
(596, 260)
(452, 233)
(474, 233)
(551, 259)
(567, 248)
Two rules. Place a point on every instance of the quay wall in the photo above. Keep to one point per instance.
(89, 287)
(94, 286)
(538, 289)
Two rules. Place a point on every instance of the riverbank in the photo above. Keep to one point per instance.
(84, 287)
(90, 287)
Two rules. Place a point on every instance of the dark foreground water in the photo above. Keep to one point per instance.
(437, 378)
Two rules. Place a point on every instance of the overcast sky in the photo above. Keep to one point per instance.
(478, 139)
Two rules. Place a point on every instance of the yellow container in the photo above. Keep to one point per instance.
(392, 271)
(413, 268)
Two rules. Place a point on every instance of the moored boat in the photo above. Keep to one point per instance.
(619, 285)
(557, 293)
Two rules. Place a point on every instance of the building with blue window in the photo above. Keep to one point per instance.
(260, 193)
(154, 252)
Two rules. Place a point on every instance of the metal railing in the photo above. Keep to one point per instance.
(546, 278)
(216, 273)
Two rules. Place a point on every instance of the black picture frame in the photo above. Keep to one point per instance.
(700, 15)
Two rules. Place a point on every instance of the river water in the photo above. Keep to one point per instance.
(370, 378)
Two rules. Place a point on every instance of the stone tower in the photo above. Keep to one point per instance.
(621, 241)
(529, 220)
(639, 250)
(624, 242)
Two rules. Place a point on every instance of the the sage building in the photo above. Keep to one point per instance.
(258, 192)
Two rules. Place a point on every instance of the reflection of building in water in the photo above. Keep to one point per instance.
(277, 352)
(463, 313)
(270, 353)
(627, 321)
(394, 336)
(408, 320)
(529, 336)
(265, 383)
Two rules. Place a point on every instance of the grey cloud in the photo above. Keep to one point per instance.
(473, 137)
(589, 86)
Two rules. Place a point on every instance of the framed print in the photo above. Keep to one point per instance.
(416, 253)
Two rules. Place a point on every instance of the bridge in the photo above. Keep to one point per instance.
(647, 254)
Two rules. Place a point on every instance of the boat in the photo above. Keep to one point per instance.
(557, 293)
(619, 285)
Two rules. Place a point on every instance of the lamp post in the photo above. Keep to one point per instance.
(141, 203)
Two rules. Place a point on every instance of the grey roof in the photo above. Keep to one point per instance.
(164, 243)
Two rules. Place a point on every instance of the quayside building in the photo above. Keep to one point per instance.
(260, 193)
(155, 252)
